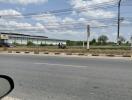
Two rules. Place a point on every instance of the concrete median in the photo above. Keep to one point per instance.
(70, 54)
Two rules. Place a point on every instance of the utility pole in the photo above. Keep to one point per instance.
(83, 44)
(131, 43)
(88, 36)
(119, 19)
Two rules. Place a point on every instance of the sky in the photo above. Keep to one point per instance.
(66, 19)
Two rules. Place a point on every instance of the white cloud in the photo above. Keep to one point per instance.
(24, 2)
(19, 25)
(126, 22)
(53, 22)
(78, 5)
(50, 20)
(40, 26)
(52, 25)
(67, 34)
(9, 13)
(68, 20)
(6, 21)
(46, 18)
(89, 3)
(13, 24)
(99, 14)
(94, 23)
(16, 26)
(103, 1)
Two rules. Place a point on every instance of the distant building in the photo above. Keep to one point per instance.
(24, 39)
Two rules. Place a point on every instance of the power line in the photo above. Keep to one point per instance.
(70, 23)
(86, 21)
(62, 10)
(79, 9)
(67, 28)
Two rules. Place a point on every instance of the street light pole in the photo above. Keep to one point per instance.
(118, 33)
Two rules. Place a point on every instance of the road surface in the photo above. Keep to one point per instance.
(68, 78)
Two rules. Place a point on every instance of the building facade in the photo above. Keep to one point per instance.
(23, 39)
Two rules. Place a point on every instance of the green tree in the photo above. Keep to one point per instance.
(42, 44)
(93, 42)
(70, 43)
(29, 43)
(102, 39)
(131, 38)
(127, 43)
(15, 44)
(121, 40)
(79, 43)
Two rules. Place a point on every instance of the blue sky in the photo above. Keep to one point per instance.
(71, 25)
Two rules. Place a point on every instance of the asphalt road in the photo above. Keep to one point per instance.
(68, 78)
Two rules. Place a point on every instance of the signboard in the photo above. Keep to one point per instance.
(4, 37)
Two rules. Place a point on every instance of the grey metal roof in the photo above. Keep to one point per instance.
(25, 35)
(31, 36)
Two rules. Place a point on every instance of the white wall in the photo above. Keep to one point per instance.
(35, 41)
(24, 42)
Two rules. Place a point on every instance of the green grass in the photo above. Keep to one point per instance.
(122, 50)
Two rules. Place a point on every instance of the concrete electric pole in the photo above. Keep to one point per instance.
(88, 36)
(131, 43)
(119, 19)
(83, 44)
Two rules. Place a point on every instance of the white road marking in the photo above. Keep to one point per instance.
(76, 66)
(10, 98)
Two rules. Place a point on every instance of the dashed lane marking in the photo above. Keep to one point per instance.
(10, 98)
(75, 66)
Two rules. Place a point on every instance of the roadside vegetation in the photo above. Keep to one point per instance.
(97, 46)
(101, 41)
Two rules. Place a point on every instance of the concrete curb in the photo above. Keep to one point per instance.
(68, 54)
(95, 54)
(26, 52)
(57, 53)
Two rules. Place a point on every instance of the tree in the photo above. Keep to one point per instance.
(79, 43)
(29, 43)
(121, 40)
(102, 39)
(127, 43)
(131, 41)
(43, 44)
(131, 38)
(71, 43)
(93, 42)
(15, 44)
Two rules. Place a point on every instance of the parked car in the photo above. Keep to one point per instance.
(6, 45)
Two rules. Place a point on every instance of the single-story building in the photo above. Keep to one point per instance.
(24, 39)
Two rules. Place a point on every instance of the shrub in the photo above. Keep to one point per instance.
(29, 43)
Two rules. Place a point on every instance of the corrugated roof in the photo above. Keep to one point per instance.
(24, 35)
(32, 36)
